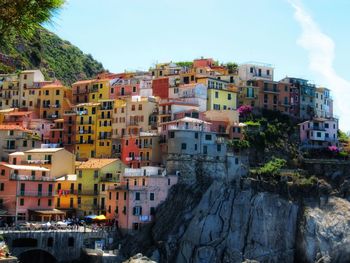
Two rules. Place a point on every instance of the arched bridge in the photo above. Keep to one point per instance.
(52, 245)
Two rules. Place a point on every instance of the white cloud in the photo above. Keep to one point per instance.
(321, 52)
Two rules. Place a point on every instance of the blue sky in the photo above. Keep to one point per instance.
(135, 34)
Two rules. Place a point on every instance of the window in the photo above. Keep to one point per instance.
(58, 202)
(80, 173)
(216, 95)
(117, 196)
(326, 125)
(152, 211)
(151, 196)
(137, 196)
(133, 89)
(183, 146)
(268, 72)
(49, 202)
(2, 187)
(95, 173)
(229, 96)
(140, 106)
(57, 92)
(318, 134)
(25, 143)
(236, 160)
(133, 107)
(137, 211)
(124, 195)
(195, 147)
(218, 147)
(251, 70)
(21, 202)
(208, 137)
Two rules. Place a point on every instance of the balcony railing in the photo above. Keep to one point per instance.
(87, 192)
(269, 90)
(85, 132)
(85, 142)
(86, 123)
(35, 193)
(66, 192)
(55, 106)
(19, 177)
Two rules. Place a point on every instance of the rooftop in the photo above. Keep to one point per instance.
(44, 150)
(95, 163)
(26, 167)
(12, 127)
(68, 177)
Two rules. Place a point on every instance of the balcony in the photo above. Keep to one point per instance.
(39, 161)
(35, 194)
(105, 116)
(85, 142)
(132, 123)
(19, 177)
(85, 132)
(99, 207)
(109, 107)
(53, 116)
(271, 90)
(108, 178)
(9, 148)
(80, 92)
(86, 123)
(82, 112)
(55, 106)
(61, 192)
(87, 192)
(46, 106)
(69, 112)
(165, 112)
(105, 137)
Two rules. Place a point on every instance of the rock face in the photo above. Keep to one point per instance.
(236, 222)
(139, 258)
(324, 233)
(232, 225)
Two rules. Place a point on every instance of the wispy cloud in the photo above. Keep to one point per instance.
(321, 52)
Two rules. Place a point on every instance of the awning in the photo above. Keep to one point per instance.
(48, 212)
(100, 217)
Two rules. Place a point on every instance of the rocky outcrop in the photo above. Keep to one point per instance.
(240, 222)
(231, 225)
(324, 233)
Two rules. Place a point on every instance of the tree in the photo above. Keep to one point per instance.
(22, 17)
(232, 67)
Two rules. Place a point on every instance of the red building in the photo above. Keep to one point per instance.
(160, 88)
(120, 88)
(130, 152)
(203, 62)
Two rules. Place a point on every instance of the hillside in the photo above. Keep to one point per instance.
(54, 56)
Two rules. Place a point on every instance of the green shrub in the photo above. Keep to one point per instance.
(272, 167)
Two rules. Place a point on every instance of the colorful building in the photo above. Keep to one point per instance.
(133, 201)
(15, 138)
(66, 194)
(319, 132)
(93, 179)
(55, 99)
(27, 191)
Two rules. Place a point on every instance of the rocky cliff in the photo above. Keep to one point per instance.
(235, 222)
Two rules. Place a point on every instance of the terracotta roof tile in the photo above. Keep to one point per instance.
(95, 163)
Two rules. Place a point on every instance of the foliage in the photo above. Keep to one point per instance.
(23, 17)
(343, 154)
(187, 64)
(232, 67)
(239, 144)
(272, 167)
(245, 110)
(343, 137)
(54, 56)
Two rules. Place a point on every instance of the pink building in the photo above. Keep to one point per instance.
(133, 201)
(319, 132)
(120, 88)
(21, 118)
(29, 188)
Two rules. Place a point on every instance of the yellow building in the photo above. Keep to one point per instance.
(134, 115)
(55, 99)
(93, 179)
(222, 95)
(86, 130)
(10, 91)
(99, 90)
(66, 197)
(104, 129)
(58, 160)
